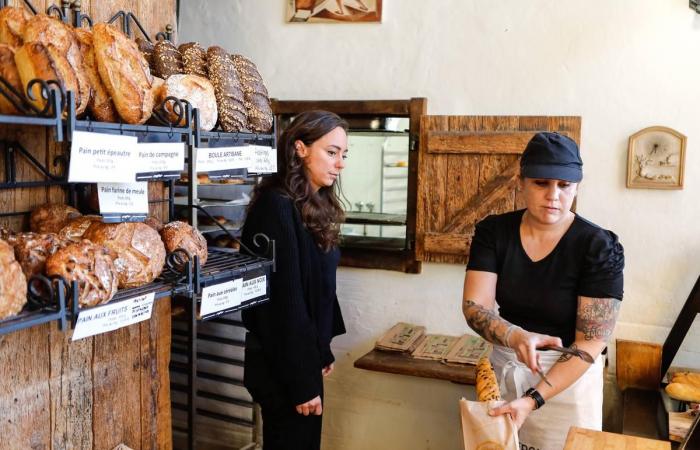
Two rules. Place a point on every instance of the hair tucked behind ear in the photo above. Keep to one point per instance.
(321, 211)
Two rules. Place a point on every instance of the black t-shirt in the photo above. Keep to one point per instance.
(543, 296)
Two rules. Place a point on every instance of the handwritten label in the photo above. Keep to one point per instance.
(223, 158)
(123, 198)
(221, 297)
(97, 157)
(255, 287)
(263, 159)
(112, 317)
(160, 159)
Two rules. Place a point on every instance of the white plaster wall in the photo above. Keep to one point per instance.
(621, 65)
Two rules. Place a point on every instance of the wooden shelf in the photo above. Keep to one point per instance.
(402, 364)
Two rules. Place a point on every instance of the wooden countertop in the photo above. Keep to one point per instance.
(399, 363)
(584, 439)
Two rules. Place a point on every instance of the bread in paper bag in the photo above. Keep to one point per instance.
(483, 432)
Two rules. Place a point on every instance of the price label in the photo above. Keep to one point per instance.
(255, 287)
(223, 158)
(123, 198)
(263, 159)
(112, 317)
(160, 160)
(221, 297)
(97, 157)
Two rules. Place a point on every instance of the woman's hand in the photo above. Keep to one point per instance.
(313, 406)
(526, 343)
(327, 370)
(518, 409)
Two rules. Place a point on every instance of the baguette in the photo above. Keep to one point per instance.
(486, 383)
(683, 391)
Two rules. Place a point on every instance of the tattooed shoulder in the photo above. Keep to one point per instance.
(596, 317)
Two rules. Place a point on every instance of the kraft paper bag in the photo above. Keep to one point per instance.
(483, 432)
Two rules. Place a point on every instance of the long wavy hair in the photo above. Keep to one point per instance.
(321, 211)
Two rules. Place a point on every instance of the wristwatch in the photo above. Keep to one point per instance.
(536, 396)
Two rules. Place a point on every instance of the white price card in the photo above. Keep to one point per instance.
(106, 318)
(221, 297)
(223, 158)
(255, 287)
(123, 198)
(160, 158)
(263, 159)
(97, 157)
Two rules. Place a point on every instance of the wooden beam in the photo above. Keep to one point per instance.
(345, 107)
(450, 243)
(479, 142)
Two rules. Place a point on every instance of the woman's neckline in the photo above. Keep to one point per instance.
(554, 248)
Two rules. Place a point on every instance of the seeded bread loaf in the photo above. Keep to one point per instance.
(227, 88)
(194, 59)
(146, 49)
(167, 59)
(256, 99)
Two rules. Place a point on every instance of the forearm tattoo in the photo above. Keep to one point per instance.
(596, 317)
(567, 356)
(485, 322)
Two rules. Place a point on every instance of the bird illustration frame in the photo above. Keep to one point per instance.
(338, 11)
(656, 158)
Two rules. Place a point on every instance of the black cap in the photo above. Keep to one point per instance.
(552, 156)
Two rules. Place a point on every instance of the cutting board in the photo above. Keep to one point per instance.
(583, 439)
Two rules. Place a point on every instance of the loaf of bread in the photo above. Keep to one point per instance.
(8, 71)
(154, 223)
(100, 106)
(33, 249)
(60, 38)
(196, 90)
(124, 72)
(12, 20)
(486, 383)
(75, 228)
(13, 284)
(167, 59)
(227, 88)
(194, 59)
(686, 378)
(181, 235)
(146, 48)
(91, 266)
(51, 217)
(140, 254)
(684, 391)
(256, 99)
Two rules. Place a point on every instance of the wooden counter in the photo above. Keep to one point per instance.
(584, 439)
(394, 362)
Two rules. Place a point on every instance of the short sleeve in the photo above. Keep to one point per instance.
(602, 267)
(482, 254)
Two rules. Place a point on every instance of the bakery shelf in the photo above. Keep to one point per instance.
(375, 218)
(205, 203)
(232, 229)
(225, 265)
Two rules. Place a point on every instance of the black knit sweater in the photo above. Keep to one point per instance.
(294, 329)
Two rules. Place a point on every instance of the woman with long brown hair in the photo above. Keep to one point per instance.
(288, 341)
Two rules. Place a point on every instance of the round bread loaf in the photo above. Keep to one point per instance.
(33, 249)
(181, 235)
(13, 284)
(124, 72)
(91, 266)
(12, 20)
(101, 106)
(227, 88)
(167, 59)
(154, 223)
(140, 254)
(194, 59)
(196, 90)
(75, 228)
(51, 217)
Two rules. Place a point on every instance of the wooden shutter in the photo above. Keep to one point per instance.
(468, 168)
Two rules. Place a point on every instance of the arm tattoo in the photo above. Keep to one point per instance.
(596, 317)
(566, 356)
(485, 322)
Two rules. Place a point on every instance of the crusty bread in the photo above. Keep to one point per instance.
(13, 283)
(8, 71)
(198, 91)
(167, 59)
(256, 101)
(140, 254)
(54, 34)
(154, 223)
(227, 88)
(32, 250)
(51, 217)
(91, 266)
(75, 228)
(194, 59)
(101, 106)
(684, 391)
(486, 383)
(124, 72)
(12, 20)
(36, 60)
(182, 235)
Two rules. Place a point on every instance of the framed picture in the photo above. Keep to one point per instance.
(334, 11)
(656, 158)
